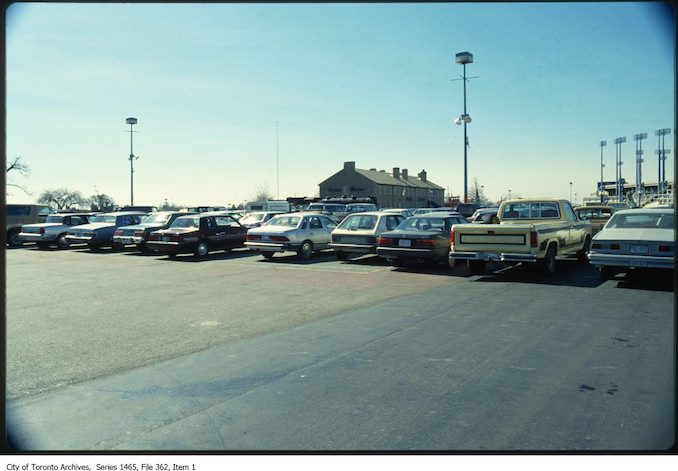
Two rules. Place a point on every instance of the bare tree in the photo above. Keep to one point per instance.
(261, 193)
(61, 198)
(21, 167)
(100, 201)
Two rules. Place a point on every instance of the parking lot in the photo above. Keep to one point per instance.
(122, 350)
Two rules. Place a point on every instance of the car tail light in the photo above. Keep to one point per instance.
(452, 236)
(665, 248)
(118, 232)
(596, 246)
(252, 237)
(279, 238)
(138, 233)
(425, 243)
(384, 241)
(533, 239)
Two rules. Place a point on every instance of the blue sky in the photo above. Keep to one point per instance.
(370, 83)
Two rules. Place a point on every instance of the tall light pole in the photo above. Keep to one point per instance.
(639, 162)
(602, 165)
(464, 58)
(571, 192)
(277, 164)
(620, 186)
(661, 151)
(132, 157)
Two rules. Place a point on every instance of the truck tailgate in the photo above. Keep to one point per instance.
(492, 238)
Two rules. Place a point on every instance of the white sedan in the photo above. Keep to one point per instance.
(635, 238)
(303, 233)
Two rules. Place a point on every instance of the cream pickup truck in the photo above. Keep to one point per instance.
(534, 231)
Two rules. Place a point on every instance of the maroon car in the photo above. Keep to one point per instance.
(198, 234)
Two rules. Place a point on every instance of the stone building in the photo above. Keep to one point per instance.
(391, 190)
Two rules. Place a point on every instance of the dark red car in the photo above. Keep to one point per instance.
(198, 234)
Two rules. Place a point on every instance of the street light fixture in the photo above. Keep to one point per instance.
(132, 157)
(661, 151)
(464, 58)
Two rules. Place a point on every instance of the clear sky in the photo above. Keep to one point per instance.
(370, 83)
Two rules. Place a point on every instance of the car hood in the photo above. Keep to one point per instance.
(641, 235)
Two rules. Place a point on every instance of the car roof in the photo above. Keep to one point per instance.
(367, 213)
(646, 210)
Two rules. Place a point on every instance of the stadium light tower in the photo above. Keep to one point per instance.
(619, 180)
(464, 58)
(602, 165)
(661, 152)
(639, 161)
(132, 157)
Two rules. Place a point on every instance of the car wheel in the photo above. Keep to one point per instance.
(451, 262)
(581, 255)
(93, 247)
(550, 260)
(267, 254)
(305, 250)
(62, 242)
(201, 249)
(117, 246)
(42, 245)
(477, 267)
(172, 255)
(13, 239)
(342, 256)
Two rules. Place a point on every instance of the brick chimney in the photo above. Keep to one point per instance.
(349, 165)
(396, 172)
(422, 175)
(404, 174)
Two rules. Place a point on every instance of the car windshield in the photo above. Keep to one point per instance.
(104, 218)
(359, 222)
(287, 221)
(55, 218)
(536, 210)
(642, 221)
(252, 217)
(186, 222)
(423, 223)
(155, 218)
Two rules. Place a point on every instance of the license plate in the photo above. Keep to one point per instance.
(126, 240)
(638, 263)
(404, 243)
(165, 238)
(638, 249)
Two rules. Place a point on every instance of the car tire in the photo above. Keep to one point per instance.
(13, 239)
(477, 267)
(450, 262)
(117, 246)
(62, 242)
(201, 249)
(267, 254)
(306, 250)
(341, 256)
(172, 255)
(42, 245)
(549, 262)
(581, 255)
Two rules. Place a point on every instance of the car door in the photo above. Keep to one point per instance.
(230, 233)
(212, 233)
(324, 232)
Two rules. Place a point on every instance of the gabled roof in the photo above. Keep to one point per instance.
(383, 178)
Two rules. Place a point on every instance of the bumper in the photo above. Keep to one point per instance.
(128, 240)
(630, 261)
(169, 247)
(30, 237)
(354, 248)
(399, 252)
(272, 246)
(494, 257)
(75, 239)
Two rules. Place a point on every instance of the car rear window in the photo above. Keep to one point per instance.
(535, 210)
(359, 222)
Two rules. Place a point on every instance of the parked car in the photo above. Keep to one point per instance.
(444, 209)
(357, 234)
(137, 234)
(635, 238)
(257, 218)
(198, 234)
(420, 238)
(101, 228)
(467, 209)
(337, 211)
(16, 215)
(303, 233)
(404, 212)
(360, 207)
(54, 229)
(485, 216)
(597, 215)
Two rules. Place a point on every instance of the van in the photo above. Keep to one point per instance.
(17, 215)
(337, 210)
